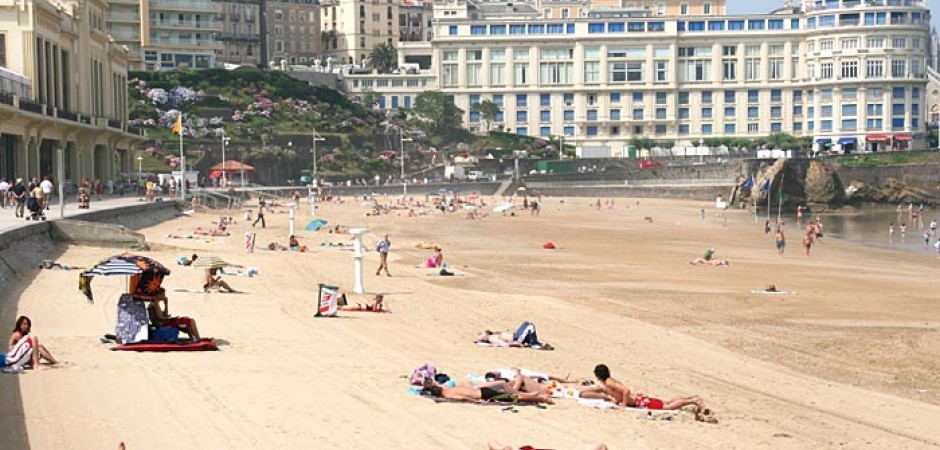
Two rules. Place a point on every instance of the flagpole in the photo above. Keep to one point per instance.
(783, 176)
(182, 163)
(770, 190)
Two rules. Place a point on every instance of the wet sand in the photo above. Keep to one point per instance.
(848, 362)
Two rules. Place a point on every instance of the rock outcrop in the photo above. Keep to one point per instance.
(778, 174)
(823, 185)
(893, 191)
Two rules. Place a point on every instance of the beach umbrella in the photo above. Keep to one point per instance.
(521, 188)
(146, 274)
(503, 208)
(442, 190)
(210, 262)
(315, 224)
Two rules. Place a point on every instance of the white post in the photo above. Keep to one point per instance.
(60, 174)
(312, 198)
(182, 166)
(357, 258)
(404, 183)
(224, 178)
(292, 220)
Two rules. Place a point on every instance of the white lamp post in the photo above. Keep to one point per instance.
(315, 138)
(225, 141)
(404, 183)
(140, 169)
(357, 258)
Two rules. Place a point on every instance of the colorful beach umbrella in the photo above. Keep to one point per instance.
(210, 262)
(315, 224)
(146, 275)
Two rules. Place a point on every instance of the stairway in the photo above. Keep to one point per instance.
(502, 187)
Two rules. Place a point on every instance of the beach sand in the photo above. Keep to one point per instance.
(850, 361)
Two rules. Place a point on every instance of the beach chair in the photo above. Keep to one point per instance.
(328, 299)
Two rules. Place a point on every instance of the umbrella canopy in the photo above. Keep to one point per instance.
(146, 275)
(503, 208)
(521, 188)
(315, 224)
(232, 166)
(442, 190)
(210, 262)
(215, 174)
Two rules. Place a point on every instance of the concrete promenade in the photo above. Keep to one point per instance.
(8, 219)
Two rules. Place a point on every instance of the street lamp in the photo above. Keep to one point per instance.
(225, 141)
(140, 168)
(404, 183)
(315, 138)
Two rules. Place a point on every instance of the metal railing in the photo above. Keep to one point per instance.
(631, 183)
(67, 115)
(31, 106)
(7, 98)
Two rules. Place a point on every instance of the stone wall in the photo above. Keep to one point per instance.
(703, 193)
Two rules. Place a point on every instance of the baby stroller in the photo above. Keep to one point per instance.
(83, 198)
(35, 209)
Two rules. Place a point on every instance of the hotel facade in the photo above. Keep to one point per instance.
(63, 88)
(848, 73)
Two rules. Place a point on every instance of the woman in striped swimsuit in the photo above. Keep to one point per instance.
(23, 348)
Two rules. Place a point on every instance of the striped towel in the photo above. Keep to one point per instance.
(250, 242)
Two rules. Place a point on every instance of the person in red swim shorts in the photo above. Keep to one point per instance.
(620, 394)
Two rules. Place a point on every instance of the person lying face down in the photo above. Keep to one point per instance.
(496, 391)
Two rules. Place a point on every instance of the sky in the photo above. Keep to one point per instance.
(765, 6)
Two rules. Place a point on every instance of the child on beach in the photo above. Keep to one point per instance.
(23, 349)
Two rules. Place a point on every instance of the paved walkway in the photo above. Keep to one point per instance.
(8, 219)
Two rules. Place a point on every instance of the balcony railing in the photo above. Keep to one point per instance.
(183, 5)
(31, 106)
(124, 17)
(6, 98)
(85, 119)
(67, 115)
(115, 123)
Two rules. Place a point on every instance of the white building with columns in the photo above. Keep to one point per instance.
(850, 73)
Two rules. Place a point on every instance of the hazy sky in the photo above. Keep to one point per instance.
(764, 6)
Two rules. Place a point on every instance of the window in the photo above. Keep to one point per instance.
(752, 112)
(569, 99)
(683, 128)
(449, 72)
(474, 74)
(556, 73)
(876, 42)
(497, 74)
(637, 97)
(850, 110)
(545, 116)
(498, 29)
(592, 130)
(826, 111)
(752, 68)
(3, 51)
(596, 28)
(729, 112)
(522, 131)
(776, 127)
(849, 44)
(592, 71)
(729, 96)
(660, 129)
(897, 109)
(662, 70)
(638, 114)
(730, 128)
(797, 126)
(875, 68)
(696, 70)
(875, 124)
(915, 93)
(826, 71)
(729, 50)
(797, 110)
(521, 71)
(706, 97)
(452, 30)
(735, 25)
(615, 97)
(661, 98)
(707, 9)
(825, 45)
(849, 93)
(626, 71)
(849, 124)
(706, 128)
(517, 29)
(498, 100)
(614, 114)
(752, 96)
(776, 112)
(776, 68)
(522, 116)
(875, 109)
(545, 131)
(897, 93)
(474, 116)
(776, 95)
(899, 42)
(569, 131)
(478, 30)
(683, 98)
(753, 128)
(706, 113)
(683, 113)
(569, 115)
(684, 9)
(592, 114)
(849, 69)
(729, 70)
(825, 125)
(897, 124)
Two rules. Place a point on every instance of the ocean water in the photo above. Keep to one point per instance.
(869, 226)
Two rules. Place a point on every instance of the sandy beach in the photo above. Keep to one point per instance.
(848, 362)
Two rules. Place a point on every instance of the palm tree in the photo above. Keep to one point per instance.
(384, 58)
(488, 111)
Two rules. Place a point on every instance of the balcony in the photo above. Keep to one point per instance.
(67, 115)
(238, 37)
(123, 17)
(187, 25)
(182, 5)
(31, 106)
(205, 44)
(115, 123)
(7, 98)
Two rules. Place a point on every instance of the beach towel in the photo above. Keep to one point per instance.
(19, 356)
(549, 246)
(132, 320)
(190, 290)
(604, 404)
(202, 345)
(364, 309)
(250, 242)
(762, 291)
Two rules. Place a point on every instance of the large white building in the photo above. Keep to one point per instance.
(846, 72)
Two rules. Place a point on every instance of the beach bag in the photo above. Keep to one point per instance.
(423, 373)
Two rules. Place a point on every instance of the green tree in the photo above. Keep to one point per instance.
(369, 99)
(384, 58)
(488, 111)
(436, 113)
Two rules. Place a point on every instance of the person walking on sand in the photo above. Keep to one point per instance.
(891, 232)
(807, 243)
(382, 246)
(767, 226)
(781, 241)
(260, 214)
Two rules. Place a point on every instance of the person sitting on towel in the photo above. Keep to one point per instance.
(524, 336)
(620, 394)
(23, 349)
(295, 246)
(160, 316)
(496, 392)
(184, 261)
(214, 282)
(436, 260)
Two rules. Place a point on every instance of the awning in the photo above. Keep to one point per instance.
(847, 140)
(876, 138)
(823, 141)
(903, 137)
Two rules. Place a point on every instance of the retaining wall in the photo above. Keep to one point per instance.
(704, 193)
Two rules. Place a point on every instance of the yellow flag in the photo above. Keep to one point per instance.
(178, 126)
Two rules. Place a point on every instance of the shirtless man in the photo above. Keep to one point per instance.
(495, 391)
(621, 395)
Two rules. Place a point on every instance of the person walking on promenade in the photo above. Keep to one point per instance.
(260, 214)
(19, 196)
(382, 247)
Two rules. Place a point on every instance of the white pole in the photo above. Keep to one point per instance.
(60, 174)
(224, 178)
(314, 136)
(357, 259)
(404, 183)
(182, 164)
(292, 220)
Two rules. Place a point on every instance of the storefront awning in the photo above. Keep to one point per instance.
(876, 138)
(903, 137)
(823, 141)
(847, 140)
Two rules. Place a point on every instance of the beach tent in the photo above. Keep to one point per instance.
(327, 300)
(146, 275)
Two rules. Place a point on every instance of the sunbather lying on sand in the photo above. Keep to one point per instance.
(47, 264)
(539, 383)
(714, 263)
(179, 236)
(493, 445)
(524, 336)
(215, 232)
(620, 394)
(495, 392)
